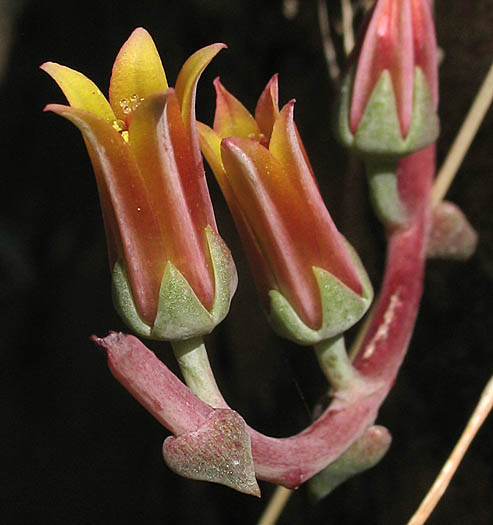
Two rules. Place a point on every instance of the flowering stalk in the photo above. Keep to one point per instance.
(311, 282)
(336, 365)
(291, 461)
(192, 358)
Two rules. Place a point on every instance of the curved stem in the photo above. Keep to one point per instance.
(336, 365)
(291, 461)
(196, 369)
(391, 326)
(152, 384)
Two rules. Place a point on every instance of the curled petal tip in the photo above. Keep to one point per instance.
(290, 105)
(140, 31)
(45, 65)
(59, 109)
(219, 45)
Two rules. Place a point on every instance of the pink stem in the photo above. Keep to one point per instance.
(291, 461)
(387, 338)
(153, 384)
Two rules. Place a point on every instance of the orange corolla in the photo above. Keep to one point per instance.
(287, 232)
(160, 226)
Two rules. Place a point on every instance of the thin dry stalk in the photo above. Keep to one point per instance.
(328, 45)
(431, 500)
(347, 25)
(464, 139)
(275, 506)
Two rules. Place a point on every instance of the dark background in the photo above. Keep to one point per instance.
(75, 447)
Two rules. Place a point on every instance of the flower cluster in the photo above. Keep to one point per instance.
(173, 277)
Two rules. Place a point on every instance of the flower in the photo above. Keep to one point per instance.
(173, 276)
(390, 94)
(309, 279)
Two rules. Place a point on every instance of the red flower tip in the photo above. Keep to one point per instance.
(400, 36)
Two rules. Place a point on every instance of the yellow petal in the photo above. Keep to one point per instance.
(186, 87)
(186, 83)
(232, 119)
(137, 73)
(81, 92)
(210, 144)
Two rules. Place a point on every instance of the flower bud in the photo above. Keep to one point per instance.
(389, 97)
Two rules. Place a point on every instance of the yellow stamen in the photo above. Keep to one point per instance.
(119, 125)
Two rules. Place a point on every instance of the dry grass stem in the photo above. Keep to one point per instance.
(480, 413)
(464, 138)
(328, 45)
(347, 25)
(275, 506)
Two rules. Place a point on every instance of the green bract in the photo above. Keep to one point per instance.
(341, 308)
(180, 313)
(362, 455)
(379, 132)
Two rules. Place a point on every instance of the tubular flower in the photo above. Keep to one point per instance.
(172, 275)
(310, 280)
(390, 94)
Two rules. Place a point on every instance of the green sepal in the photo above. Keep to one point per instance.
(124, 303)
(341, 307)
(180, 314)
(379, 132)
(362, 455)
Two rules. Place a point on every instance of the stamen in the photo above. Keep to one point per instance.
(119, 125)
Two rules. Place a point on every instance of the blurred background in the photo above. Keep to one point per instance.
(75, 447)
